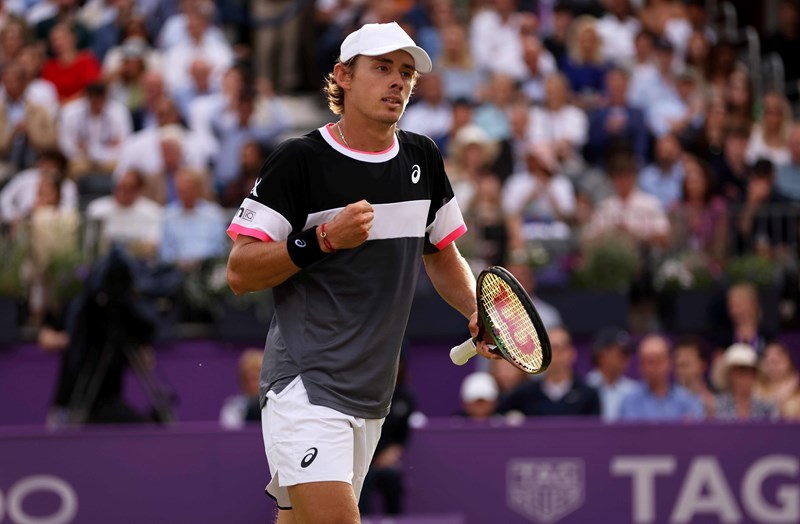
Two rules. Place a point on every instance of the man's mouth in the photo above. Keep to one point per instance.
(393, 100)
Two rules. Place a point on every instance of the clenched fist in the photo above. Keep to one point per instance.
(350, 227)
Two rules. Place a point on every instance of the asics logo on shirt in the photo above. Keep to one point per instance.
(300, 242)
(415, 173)
(311, 454)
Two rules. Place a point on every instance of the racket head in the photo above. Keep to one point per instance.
(509, 317)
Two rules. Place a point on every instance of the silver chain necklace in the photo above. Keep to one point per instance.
(339, 127)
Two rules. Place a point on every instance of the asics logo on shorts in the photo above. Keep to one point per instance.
(311, 454)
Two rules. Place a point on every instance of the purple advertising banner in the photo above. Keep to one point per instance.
(456, 473)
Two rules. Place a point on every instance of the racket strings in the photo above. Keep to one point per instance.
(512, 324)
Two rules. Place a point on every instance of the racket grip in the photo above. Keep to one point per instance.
(463, 352)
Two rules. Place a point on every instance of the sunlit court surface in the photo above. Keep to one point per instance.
(551, 248)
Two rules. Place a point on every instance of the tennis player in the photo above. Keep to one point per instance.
(337, 225)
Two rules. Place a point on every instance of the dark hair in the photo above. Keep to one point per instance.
(620, 160)
(708, 177)
(763, 168)
(55, 156)
(694, 342)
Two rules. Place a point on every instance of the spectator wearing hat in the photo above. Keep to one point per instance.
(479, 394)
(560, 392)
(91, 131)
(611, 357)
(691, 367)
(656, 397)
(616, 121)
(736, 378)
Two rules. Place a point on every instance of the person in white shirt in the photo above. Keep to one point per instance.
(769, 138)
(494, 35)
(538, 202)
(126, 217)
(629, 211)
(38, 90)
(178, 60)
(91, 131)
(562, 126)
(176, 29)
(617, 31)
(539, 64)
(18, 196)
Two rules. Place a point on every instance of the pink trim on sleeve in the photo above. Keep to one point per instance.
(446, 241)
(234, 230)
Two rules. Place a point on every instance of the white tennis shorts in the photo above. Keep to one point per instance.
(309, 443)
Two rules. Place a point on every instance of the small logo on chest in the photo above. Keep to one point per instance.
(415, 173)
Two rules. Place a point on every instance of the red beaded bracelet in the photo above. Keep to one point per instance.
(324, 237)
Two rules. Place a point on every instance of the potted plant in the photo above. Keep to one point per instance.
(686, 288)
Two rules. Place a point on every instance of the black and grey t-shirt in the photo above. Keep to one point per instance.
(340, 321)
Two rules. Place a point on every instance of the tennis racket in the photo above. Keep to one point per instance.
(507, 315)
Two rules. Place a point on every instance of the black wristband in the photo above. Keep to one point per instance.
(304, 248)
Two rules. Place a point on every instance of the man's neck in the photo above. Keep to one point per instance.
(557, 379)
(365, 136)
(659, 390)
(608, 377)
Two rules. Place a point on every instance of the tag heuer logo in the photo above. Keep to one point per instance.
(545, 490)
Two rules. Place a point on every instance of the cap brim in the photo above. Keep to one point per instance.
(422, 62)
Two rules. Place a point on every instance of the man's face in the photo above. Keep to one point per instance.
(614, 360)
(654, 364)
(563, 357)
(624, 183)
(689, 368)
(380, 86)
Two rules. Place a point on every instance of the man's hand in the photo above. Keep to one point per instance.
(480, 345)
(350, 227)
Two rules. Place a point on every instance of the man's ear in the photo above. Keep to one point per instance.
(342, 76)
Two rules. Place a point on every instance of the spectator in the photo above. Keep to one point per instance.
(244, 407)
(278, 43)
(134, 41)
(507, 376)
(740, 98)
(785, 39)
(720, 66)
(460, 77)
(18, 196)
(778, 378)
(486, 241)
(556, 41)
(194, 228)
(200, 85)
(470, 157)
(763, 224)
(70, 70)
(644, 48)
(744, 320)
(65, 13)
(176, 28)
(560, 391)
(126, 84)
(611, 357)
(731, 171)
(787, 181)
(699, 220)
(691, 368)
(682, 112)
(663, 179)
(126, 218)
(617, 31)
(539, 64)
(178, 59)
(770, 135)
(252, 157)
(38, 90)
(708, 141)
(91, 131)
(261, 118)
(698, 50)
(494, 35)
(584, 66)
(493, 114)
(513, 150)
(13, 38)
(628, 211)
(737, 379)
(559, 124)
(107, 23)
(203, 109)
(615, 121)
(432, 114)
(650, 85)
(26, 127)
(479, 393)
(540, 202)
(656, 398)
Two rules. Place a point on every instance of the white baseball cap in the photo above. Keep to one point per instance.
(380, 39)
(479, 386)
